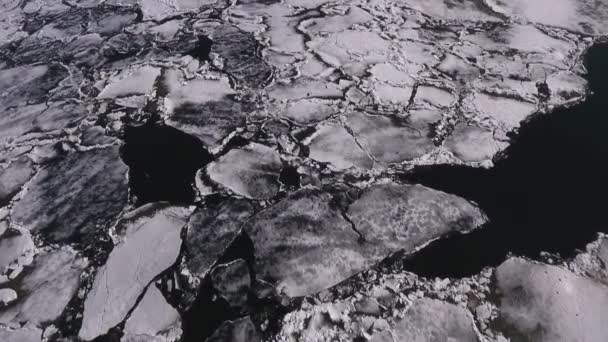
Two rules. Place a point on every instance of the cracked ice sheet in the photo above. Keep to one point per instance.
(392, 139)
(305, 244)
(159, 9)
(531, 43)
(503, 62)
(27, 100)
(337, 49)
(150, 244)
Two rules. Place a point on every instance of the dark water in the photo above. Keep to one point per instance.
(548, 193)
(202, 48)
(162, 163)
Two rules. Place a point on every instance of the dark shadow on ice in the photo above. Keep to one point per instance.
(548, 192)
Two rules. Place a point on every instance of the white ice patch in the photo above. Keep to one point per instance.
(139, 82)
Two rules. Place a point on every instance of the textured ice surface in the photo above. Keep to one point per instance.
(46, 288)
(404, 217)
(74, 195)
(548, 303)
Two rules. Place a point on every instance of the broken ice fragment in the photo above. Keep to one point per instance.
(13, 176)
(405, 217)
(308, 110)
(232, 281)
(549, 303)
(195, 91)
(565, 87)
(392, 139)
(23, 93)
(75, 195)
(388, 73)
(434, 320)
(16, 251)
(304, 88)
(471, 143)
(151, 244)
(211, 230)
(435, 96)
(368, 306)
(336, 23)
(389, 94)
(240, 330)
(27, 333)
(453, 10)
(153, 320)
(251, 171)
(239, 51)
(584, 16)
(203, 108)
(158, 10)
(46, 288)
(303, 244)
(7, 296)
(29, 84)
(345, 50)
(332, 144)
(505, 111)
(458, 68)
(139, 82)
